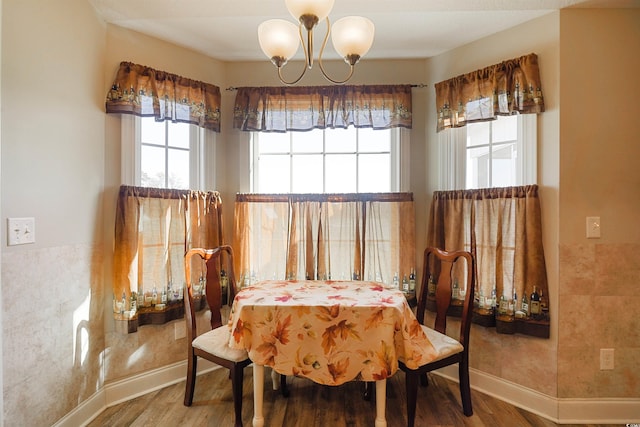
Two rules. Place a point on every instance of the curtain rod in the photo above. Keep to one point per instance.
(418, 85)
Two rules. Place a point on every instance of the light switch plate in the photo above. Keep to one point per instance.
(593, 227)
(21, 231)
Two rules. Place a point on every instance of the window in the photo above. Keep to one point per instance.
(166, 154)
(497, 153)
(352, 160)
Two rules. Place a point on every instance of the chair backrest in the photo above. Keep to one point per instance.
(446, 268)
(213, 261)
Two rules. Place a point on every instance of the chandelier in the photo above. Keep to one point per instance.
(352, 37)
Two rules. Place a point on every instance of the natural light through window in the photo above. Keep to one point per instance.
(164, 154)
(348, 160)
(492, 153)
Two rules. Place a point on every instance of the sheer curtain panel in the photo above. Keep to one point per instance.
(154, 228)
(368, 236)
(502, 228)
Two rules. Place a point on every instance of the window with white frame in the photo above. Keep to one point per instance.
(497, 153)
(166, 154)
(352, 160)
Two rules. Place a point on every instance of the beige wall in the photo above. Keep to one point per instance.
(527, 361)
(599, 152)
(53, 170)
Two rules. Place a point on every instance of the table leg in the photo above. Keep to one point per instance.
(381, 403)
(258, 392)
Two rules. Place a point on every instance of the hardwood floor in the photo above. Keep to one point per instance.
(313, 405)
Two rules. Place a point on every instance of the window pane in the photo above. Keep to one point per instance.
(340, 173)
(375, 141)
(307, 174)
(341, 140)
(505, 129)
(179, 169)
(307, 142)
(478, 133)
(152, 167)
(478, 167)
(274, 174)
(272, 142)
(373, 173)
(504, 165)
(151, 132)
(179, 135)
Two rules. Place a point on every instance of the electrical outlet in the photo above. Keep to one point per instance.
(21, 231)
(606, 359)
(180, 330)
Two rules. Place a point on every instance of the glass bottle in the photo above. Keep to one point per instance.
(123, 307)
(503, 308)
(455, 290)
(405, 284)
(432, 286)
(140, 298)
(524, 305)
(133, 302)
(154, 296)
(544, 303)
(412, 280)
(535, 302)
(396, 281)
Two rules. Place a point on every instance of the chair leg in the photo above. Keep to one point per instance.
(424, 380)
(411, 381)
(237, 378)
(284, 389)
(192, 364)
(465, 387)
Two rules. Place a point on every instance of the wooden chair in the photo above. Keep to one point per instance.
(443, 265)
(213, 345)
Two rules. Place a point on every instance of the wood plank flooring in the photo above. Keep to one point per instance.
(313, 405)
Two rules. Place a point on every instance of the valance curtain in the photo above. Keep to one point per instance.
(509, 87)
(502, 228)
(153, 230)
(143, 91)
(324, 236)
(302, 108)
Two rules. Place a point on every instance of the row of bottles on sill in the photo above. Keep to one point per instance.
(408, 285)
(534, 306)
(160, 299)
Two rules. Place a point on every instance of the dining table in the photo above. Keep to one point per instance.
(327, 331)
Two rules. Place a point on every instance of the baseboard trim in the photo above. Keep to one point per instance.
(560, 411)
(129, 388)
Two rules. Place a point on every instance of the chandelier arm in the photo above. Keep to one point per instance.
(324, 73)
(304, 70)
(308, 47)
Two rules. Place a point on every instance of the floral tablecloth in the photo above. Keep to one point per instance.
(328, 331)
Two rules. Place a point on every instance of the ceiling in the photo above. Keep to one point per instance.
(227, 29)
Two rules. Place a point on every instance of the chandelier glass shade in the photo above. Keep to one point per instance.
(352, 37)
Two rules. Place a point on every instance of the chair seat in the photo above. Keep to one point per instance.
(216, 342)
(444, 345)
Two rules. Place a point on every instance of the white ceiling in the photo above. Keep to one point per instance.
(227, 29)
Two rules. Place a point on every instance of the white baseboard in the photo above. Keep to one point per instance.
(561, 411)
(129, 388)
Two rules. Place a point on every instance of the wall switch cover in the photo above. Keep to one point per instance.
(21, 231)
